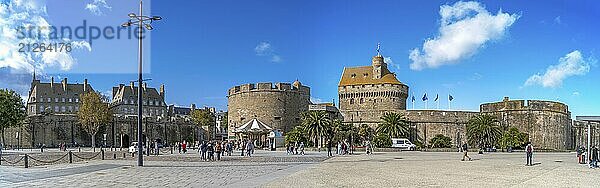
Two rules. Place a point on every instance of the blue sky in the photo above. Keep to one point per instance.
(477, 51)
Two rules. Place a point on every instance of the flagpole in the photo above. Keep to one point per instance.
(413, 100)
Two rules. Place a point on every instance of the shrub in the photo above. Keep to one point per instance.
(382, 141)
(441, 141)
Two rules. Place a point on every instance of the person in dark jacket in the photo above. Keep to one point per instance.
(594, 157)
(529, 151)
(465, 149)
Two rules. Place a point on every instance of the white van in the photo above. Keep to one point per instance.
(403, 144)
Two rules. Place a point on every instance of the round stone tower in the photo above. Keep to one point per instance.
(278, 105)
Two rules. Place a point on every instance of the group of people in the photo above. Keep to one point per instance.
(208, 150)
(592, 157)
(343, 148)
(292, 149)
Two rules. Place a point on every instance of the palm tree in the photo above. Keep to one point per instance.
(316, 124)
(366, 132)
(393, 124)
(483, 130)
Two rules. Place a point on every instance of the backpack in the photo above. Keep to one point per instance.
(529, 148)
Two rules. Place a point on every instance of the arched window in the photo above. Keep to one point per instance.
(362, 100)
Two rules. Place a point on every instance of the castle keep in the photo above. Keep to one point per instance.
(278, 105)
(366, 93)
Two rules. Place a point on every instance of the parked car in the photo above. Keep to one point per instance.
(403, 144)
(134, 148)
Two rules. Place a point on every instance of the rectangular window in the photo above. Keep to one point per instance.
(56, 109)
(70, 100)
(77, 100)
(63, 100)
(49, 100)
(70, 108)
(76, 108)
(41, 108)
(32, 109)
(63, 109)
(55, 99)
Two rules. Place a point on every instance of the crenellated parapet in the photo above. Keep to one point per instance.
(530, 105)
(269, 87)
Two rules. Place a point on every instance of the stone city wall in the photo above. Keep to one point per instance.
(547, 123)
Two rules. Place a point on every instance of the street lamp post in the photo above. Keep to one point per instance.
(141, 21)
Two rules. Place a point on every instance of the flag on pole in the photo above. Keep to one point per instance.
(436, 97)
(450, 97)
(413, 98)
(425, 97)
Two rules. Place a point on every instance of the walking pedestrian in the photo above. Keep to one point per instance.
(329, 154)
(203, 149)
(529, 149)
(465, 149)
(339, 148)
(218, 149)
(156, 149)
(249, 148)
(368, 147)
(179, 146)
(296, 148)
(183, 147)
(229, 148)
(291, 149)
(211, 151)
(594, 159)
(301, 148)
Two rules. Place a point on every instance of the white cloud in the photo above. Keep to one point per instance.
(464, 28)
(265, 49)
(316, 100)
(557, 20)
(19, 19)
(388, 60)
(97, 6)
(572, 64)
(576, 93)
(276, 59)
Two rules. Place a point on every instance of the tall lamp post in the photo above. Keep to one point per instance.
(142, 22)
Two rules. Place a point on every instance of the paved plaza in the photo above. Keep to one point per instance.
(276, 169)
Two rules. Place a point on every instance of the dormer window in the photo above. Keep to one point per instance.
(366, 74)
(353, 75)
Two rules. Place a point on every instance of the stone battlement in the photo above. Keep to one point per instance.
(517, 105)
(268, 87)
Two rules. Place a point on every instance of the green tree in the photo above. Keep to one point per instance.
(483, 131)
(316, 124)
(441, 141)
(393, 124)
(93, 113)
(382, 140)
(296, 135)
(513, 138)
(12, 110)
(365, 132)
(203, 119)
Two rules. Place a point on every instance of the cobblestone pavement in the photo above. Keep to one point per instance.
(275, 169)
(437, 169)
(177, 170)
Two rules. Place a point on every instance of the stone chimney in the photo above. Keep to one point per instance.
(193, 107)
(162, 91)
(85, 85)
(505, 99)
(145, 85)
(64, 84)
(132, 87)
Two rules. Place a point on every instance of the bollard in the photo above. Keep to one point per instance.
(26, 161)
(171, 150)
(123, 155)
(42, 149)
(114, 156)
(79, 149)
(102, 151)
(70, 157)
